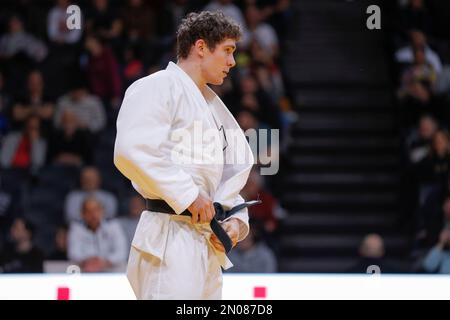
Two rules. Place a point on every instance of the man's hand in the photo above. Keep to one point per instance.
(202, 210)
(232, 228)
(95, 264)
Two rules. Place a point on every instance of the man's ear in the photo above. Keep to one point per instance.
(200, 47)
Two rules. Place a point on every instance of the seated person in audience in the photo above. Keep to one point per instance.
(88, 108)
(252, 254)
(419, 141)
(18, 41)
(26, 149)
(97, 245)
(60, 252)
(34, 101)
(372, 253)
(434, 168)
(438, 258)
(90, 185)
(417, 83)
(57, 31)
(20, 254)
(71, 145)
(405, 55)
(103, 71)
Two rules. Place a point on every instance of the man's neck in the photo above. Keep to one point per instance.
(193, 70)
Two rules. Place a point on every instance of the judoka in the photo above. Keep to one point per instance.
(174, 253)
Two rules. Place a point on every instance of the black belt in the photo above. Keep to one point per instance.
(221, 214)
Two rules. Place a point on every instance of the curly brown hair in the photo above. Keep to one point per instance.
(212, 27)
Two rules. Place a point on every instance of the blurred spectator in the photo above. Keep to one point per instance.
(88, 109)
(261, 32)
(17, 41)
(26, 149)
(418, 42)
(432, 183)
(232, 11)
(133, 66)
(434, 215)
(96, 245)
(171, 15)
(90, 183)
(275, 12)
(103, 19)
(372, 253)
(438, 258)
(419, 141)
(34, 101)
(103, 72)
(139, 21)
(57, 25)
(70, 145)
(129, 222)
(21, 255)
(434, 168)
(417, 87)
(416, 16)
(256, 100)
(60, 252)
(252, 255)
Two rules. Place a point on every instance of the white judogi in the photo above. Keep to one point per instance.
(170, 258)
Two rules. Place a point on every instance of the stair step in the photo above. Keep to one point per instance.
(338, 241)
(345, 123)
(301, 219)
(317, 265)
(331, 264)
(343, 201)
(329, 197)
(338, 98)
(343, 162)
(344, 223)
(344, 143)
(341, 178)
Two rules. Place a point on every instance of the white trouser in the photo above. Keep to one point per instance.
(189, 270)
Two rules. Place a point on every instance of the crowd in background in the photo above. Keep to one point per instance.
(420, 40)
(60, 92)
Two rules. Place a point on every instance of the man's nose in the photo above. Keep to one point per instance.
(231, 61)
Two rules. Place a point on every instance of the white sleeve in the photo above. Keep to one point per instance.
(242, 216)
(143, 125)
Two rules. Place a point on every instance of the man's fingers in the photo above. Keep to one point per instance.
(194, 217)
(203, 215)
(213, 211)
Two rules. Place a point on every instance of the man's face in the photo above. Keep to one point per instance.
(90, 179)
(92, 214)
(216, 64)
